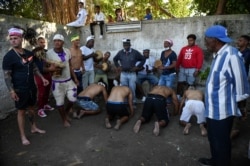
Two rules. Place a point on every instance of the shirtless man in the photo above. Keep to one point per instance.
(120, 97)
(84, 99)
(156, 103)
(77, 61)
(194, 105)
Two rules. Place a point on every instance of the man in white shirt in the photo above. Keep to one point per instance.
(147, 73)
(88, 54)
(81, 16)
(99, 19)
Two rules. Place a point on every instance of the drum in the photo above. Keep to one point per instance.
(99, 55)
(158, 63)
(59, 67)
(105, 66)
(39, 52)
(57, 72)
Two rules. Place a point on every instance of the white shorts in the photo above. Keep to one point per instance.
(60, 89)
(193, 107)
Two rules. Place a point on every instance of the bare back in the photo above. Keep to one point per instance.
(77, 58)
(166, 92)
(92, 90)
(193, 95)
(161, 90)
(119, 93)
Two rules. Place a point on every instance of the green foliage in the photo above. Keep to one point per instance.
(133, 9)
(22, 8)
(232, 6)
(204, 74)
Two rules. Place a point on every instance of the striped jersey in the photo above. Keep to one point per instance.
(226, 85)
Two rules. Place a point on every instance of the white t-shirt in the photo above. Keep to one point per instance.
(150, 62)
(99, 17)
(81, 16)
(89, 63)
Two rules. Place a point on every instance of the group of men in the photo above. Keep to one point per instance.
(226, 85)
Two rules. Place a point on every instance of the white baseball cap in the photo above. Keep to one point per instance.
(58, 37)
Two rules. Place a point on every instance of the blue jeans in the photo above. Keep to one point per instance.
(219, 138)
(151, 78)
(88, 78)
(79, 78)
(129, 79)
(167, 80)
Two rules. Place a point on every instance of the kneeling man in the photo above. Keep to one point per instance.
(156, 103)
(119, 99)
(194, 105)
(84, 99)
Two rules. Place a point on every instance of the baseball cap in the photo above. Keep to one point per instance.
(15, 32)
(125, 40)
(170, 42)
(58, 37)
(90, 38)
(219, 32)
(81, 1)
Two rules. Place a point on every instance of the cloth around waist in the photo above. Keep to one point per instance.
(156, 96)
(84, 98)
(61, 81)
(116, 102)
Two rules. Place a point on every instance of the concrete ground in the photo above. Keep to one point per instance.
(88, 143)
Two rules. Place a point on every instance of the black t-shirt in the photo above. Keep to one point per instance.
(167, 61)
(22, 69)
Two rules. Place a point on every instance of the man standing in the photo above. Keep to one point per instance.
(98, 20)
(168, 59)
(226, 85)
(81, 16)
(62, 84)
(43, 91)
(147, 73)
(19, 69)
(77, 60)
(242, 44)
(189, 63)
(88, 57)
(127, 66)
(156, 103)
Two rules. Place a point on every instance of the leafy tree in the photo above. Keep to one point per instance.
(211, 7)
(64, 11)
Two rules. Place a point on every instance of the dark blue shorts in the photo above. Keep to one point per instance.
(27, 98)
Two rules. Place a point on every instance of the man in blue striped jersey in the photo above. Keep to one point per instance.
(226, 85)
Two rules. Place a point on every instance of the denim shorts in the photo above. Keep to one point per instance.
(88, 105)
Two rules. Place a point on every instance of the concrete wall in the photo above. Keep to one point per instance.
(152, 35)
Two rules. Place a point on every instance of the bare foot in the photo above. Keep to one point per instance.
(118, 124)
(156, 130)
(37, 130)
(25, 141)
(74, 115)
(203, 130)
(66, 123)
(186, 129)
(82, 112)
(107, 124)
(137, 126)
(68, 118)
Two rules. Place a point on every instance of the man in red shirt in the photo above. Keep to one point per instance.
(188, 64)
